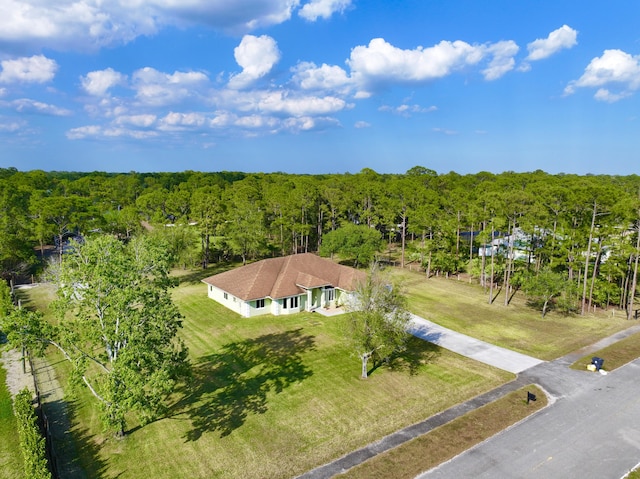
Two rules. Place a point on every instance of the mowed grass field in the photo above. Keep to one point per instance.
(464, 307)
(273, 397)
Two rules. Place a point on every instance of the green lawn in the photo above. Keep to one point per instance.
(464, 307)
(273, 397)
(11, 466)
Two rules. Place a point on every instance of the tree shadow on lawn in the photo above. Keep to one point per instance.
(418, 352)
(228, 386)
(78, 454)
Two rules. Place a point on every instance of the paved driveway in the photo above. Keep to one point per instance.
(502, 358)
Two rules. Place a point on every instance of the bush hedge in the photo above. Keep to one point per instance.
(31, 441)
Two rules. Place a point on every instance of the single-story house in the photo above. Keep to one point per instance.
(299, 282)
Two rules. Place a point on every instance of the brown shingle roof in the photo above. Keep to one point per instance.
(287, 276)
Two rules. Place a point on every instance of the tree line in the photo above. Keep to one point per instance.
(572, 240)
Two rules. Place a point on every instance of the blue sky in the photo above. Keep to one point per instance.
(320, 86)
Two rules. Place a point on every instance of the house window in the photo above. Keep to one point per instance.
(330, 293)
(226, 296)
(290, 302)
(260, 303)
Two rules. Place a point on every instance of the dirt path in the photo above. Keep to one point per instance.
(17, 380)
(53, 404)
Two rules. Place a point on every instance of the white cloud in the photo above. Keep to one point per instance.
(362, 124)
(381, 60)
(127, 133)
(84, 132)
(99, 132)
(98, 82)
(323, 8)
(309, 76)
(256, 122)
(502, 59)
(444, 131)
(156, 88)
(74, 24)
(308, 123)
(614, 69)
(142, 121)
(175, 121)
(406, 110)
(91, 24)
(26, 105)
(256, 56)
(382, 63)
(563, 37)
(35, 69)
(281, 102)
(11, 126)
(605, 95)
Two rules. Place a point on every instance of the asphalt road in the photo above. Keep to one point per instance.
(591, 430)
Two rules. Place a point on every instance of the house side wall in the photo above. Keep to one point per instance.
(248, 309)
(230, 302)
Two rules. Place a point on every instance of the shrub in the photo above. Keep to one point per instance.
(31, 441)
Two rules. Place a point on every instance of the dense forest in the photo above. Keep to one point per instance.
(567, 241)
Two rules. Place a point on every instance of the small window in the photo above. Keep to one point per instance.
(226, 296)
(293, 302)
(284, 303)
(260, 303)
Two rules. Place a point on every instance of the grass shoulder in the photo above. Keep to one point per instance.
(447, 441)
(615, 355)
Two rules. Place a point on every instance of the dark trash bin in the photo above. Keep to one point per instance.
(597, 362)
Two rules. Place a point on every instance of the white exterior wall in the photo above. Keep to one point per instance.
(251, 310)
(248, 309)
(233, 303)
(289, 309)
